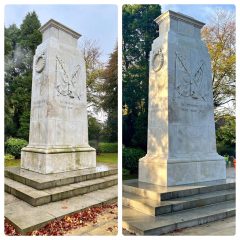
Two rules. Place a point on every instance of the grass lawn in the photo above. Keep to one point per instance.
(102, 158)
(107, 158)
(12, 163)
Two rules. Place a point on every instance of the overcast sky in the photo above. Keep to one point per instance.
(95, 22)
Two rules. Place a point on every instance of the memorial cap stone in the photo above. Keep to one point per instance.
(55, 29)
(181, 129)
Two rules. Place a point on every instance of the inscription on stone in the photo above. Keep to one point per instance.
(38, 103)
(67, 105)
(192, 108)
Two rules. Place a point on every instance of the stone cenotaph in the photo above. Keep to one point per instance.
(181, 131)
(182, 180)
(58, 163)
(58, 140)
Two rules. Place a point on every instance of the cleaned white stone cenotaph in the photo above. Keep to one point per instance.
(58, 140)
(181, 131)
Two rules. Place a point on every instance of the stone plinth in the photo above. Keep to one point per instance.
(58, 139)
(181, 130)
(150, 209)
(37, 199)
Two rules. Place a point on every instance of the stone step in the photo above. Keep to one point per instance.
(39, 197)
(27, 218)
(142, 224)
(154, 207)
(161, 193)
(42, 181)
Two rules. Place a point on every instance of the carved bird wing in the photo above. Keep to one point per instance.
(75, 80)
(198, 81)
(183, 77)
(75, 75)
(198, 76)
(62, 78)
(61, 69)
(181, 64)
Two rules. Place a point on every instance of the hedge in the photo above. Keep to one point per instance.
(125, 172)
(130, 158)
(226, 150)
(14, 146)
(108, 147)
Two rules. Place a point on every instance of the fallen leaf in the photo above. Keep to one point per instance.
(110, 229)
(59, 227)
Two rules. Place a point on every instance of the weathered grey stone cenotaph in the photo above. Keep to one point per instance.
(181, 131)
(58, 139)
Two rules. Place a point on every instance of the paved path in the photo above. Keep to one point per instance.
(106, 225)
(225, 227)
(231, 172)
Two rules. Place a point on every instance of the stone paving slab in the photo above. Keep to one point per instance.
(39, 197)
(154, 208)
(224, 227)
(143, 224)
(27, 218)
(106, 225)
(43, 181)
(102, 197)
(102, 230)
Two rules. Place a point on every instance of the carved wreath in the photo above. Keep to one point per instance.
(40, 63)
(157, 60)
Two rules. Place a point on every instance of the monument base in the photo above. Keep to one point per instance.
(32, 199)
(56, 160)
(178, 172)
(150, 209)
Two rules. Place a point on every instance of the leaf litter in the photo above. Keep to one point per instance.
(59, 227)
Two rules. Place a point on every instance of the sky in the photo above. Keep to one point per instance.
(97, 22)
(201, 12)
(94, 22)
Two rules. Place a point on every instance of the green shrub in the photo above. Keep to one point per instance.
(226, 150)
(125, 172)
(130, 157)
(108, 147)
(9, 157)
(14, 146)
